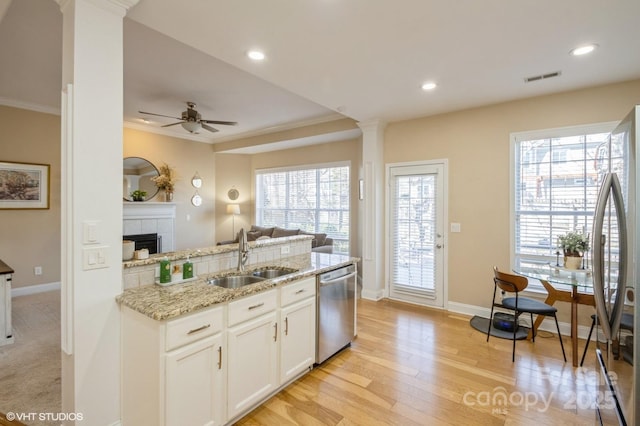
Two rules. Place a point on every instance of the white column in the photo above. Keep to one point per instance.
(92, 81)
(373, 211)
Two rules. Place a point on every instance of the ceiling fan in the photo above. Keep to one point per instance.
(192, 121)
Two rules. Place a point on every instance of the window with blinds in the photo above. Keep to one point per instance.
(311, 199)
(414, 233)
(556, 182)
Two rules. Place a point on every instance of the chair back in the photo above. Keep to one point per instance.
(509, 282)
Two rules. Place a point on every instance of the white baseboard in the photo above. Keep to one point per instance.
(374, 295)
(547, 324)
(34, 289)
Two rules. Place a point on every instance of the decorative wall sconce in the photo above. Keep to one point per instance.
(196, 181)
(233, 194)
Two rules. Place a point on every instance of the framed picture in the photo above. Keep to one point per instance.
(24, 186)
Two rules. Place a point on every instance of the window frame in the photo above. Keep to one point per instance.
(517, 137)
(314, 166)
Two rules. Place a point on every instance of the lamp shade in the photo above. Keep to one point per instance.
(233, 209)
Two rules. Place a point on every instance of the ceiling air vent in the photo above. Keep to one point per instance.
(542, 76)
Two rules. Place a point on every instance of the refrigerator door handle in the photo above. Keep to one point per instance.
(609, 321)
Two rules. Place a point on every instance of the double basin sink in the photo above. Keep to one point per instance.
(237, 281)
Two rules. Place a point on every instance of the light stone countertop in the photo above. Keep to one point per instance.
(162, 303)
(205, 251)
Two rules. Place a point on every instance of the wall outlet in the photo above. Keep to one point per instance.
(37, 270)
(285, 249)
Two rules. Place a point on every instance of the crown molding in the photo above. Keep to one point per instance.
(29, 106)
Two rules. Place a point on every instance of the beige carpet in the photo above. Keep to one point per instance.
(30, 367)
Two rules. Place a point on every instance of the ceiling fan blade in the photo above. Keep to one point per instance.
(159, 115)
(209, 128)
(172, 124)
(224, 123)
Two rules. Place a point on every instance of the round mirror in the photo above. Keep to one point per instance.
(136, 179)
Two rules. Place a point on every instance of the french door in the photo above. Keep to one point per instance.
(416, 233)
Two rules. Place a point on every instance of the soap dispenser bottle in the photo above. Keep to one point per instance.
(187, 270)
(165, 271)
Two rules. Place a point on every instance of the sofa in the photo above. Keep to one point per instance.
(320, 243)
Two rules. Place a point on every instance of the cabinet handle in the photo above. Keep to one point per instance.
(195, 330)
(300, 291)
(219, 357)
(275, 334)
(256, 306)
(286, 326)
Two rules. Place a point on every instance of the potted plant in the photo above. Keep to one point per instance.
(573, 244)
(166, 181)
(138, 195)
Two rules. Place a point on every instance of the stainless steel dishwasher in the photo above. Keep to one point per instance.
(335, 322)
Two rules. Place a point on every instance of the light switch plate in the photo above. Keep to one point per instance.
(90, 231)
(456, 227)
(95, 258)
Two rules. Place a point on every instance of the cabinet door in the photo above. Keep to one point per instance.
(194, 389)
(252, 362)
(298, 342)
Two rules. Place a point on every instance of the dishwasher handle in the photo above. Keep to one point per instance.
(342, 278)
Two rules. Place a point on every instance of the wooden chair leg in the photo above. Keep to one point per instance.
(533, 329)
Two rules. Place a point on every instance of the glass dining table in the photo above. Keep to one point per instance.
(574, 286)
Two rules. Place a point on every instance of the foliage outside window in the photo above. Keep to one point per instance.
(311, 199)
(556, 179)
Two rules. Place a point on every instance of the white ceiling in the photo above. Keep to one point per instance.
(363, 58)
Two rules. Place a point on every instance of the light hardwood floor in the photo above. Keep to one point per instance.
(408, 366)
(417, 366)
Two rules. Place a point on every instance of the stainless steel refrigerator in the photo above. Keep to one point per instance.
(615, 273)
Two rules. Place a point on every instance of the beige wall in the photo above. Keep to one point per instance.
(194, 225)
(476, 143)
(235, 170)
(31, 238)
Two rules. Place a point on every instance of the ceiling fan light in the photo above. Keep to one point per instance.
(191, 126)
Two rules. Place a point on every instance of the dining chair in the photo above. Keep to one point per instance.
(626, 323)
(511, 283)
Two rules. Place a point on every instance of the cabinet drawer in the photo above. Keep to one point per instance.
(252, 306)
(193, 327)
(296, 291)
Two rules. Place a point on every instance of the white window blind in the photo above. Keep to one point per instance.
(310, 199)
(556, 183)
(414, 233)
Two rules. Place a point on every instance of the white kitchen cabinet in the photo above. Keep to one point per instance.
(297, 328)
(195, 384)
(253, 352)
(174, 371)
(297, 345)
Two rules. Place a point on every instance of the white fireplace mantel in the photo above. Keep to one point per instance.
(148, 217)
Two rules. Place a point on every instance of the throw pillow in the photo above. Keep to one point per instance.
(264, 230)
(253, 235)
(281, 232)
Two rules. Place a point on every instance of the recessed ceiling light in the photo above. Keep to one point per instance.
(429, 86)
(255, 55)
(583, 50)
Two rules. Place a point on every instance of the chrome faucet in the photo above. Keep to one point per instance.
(243, 249)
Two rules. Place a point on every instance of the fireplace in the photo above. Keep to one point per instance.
(152, 242)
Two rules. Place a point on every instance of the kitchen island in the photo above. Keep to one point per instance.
(195, 353)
